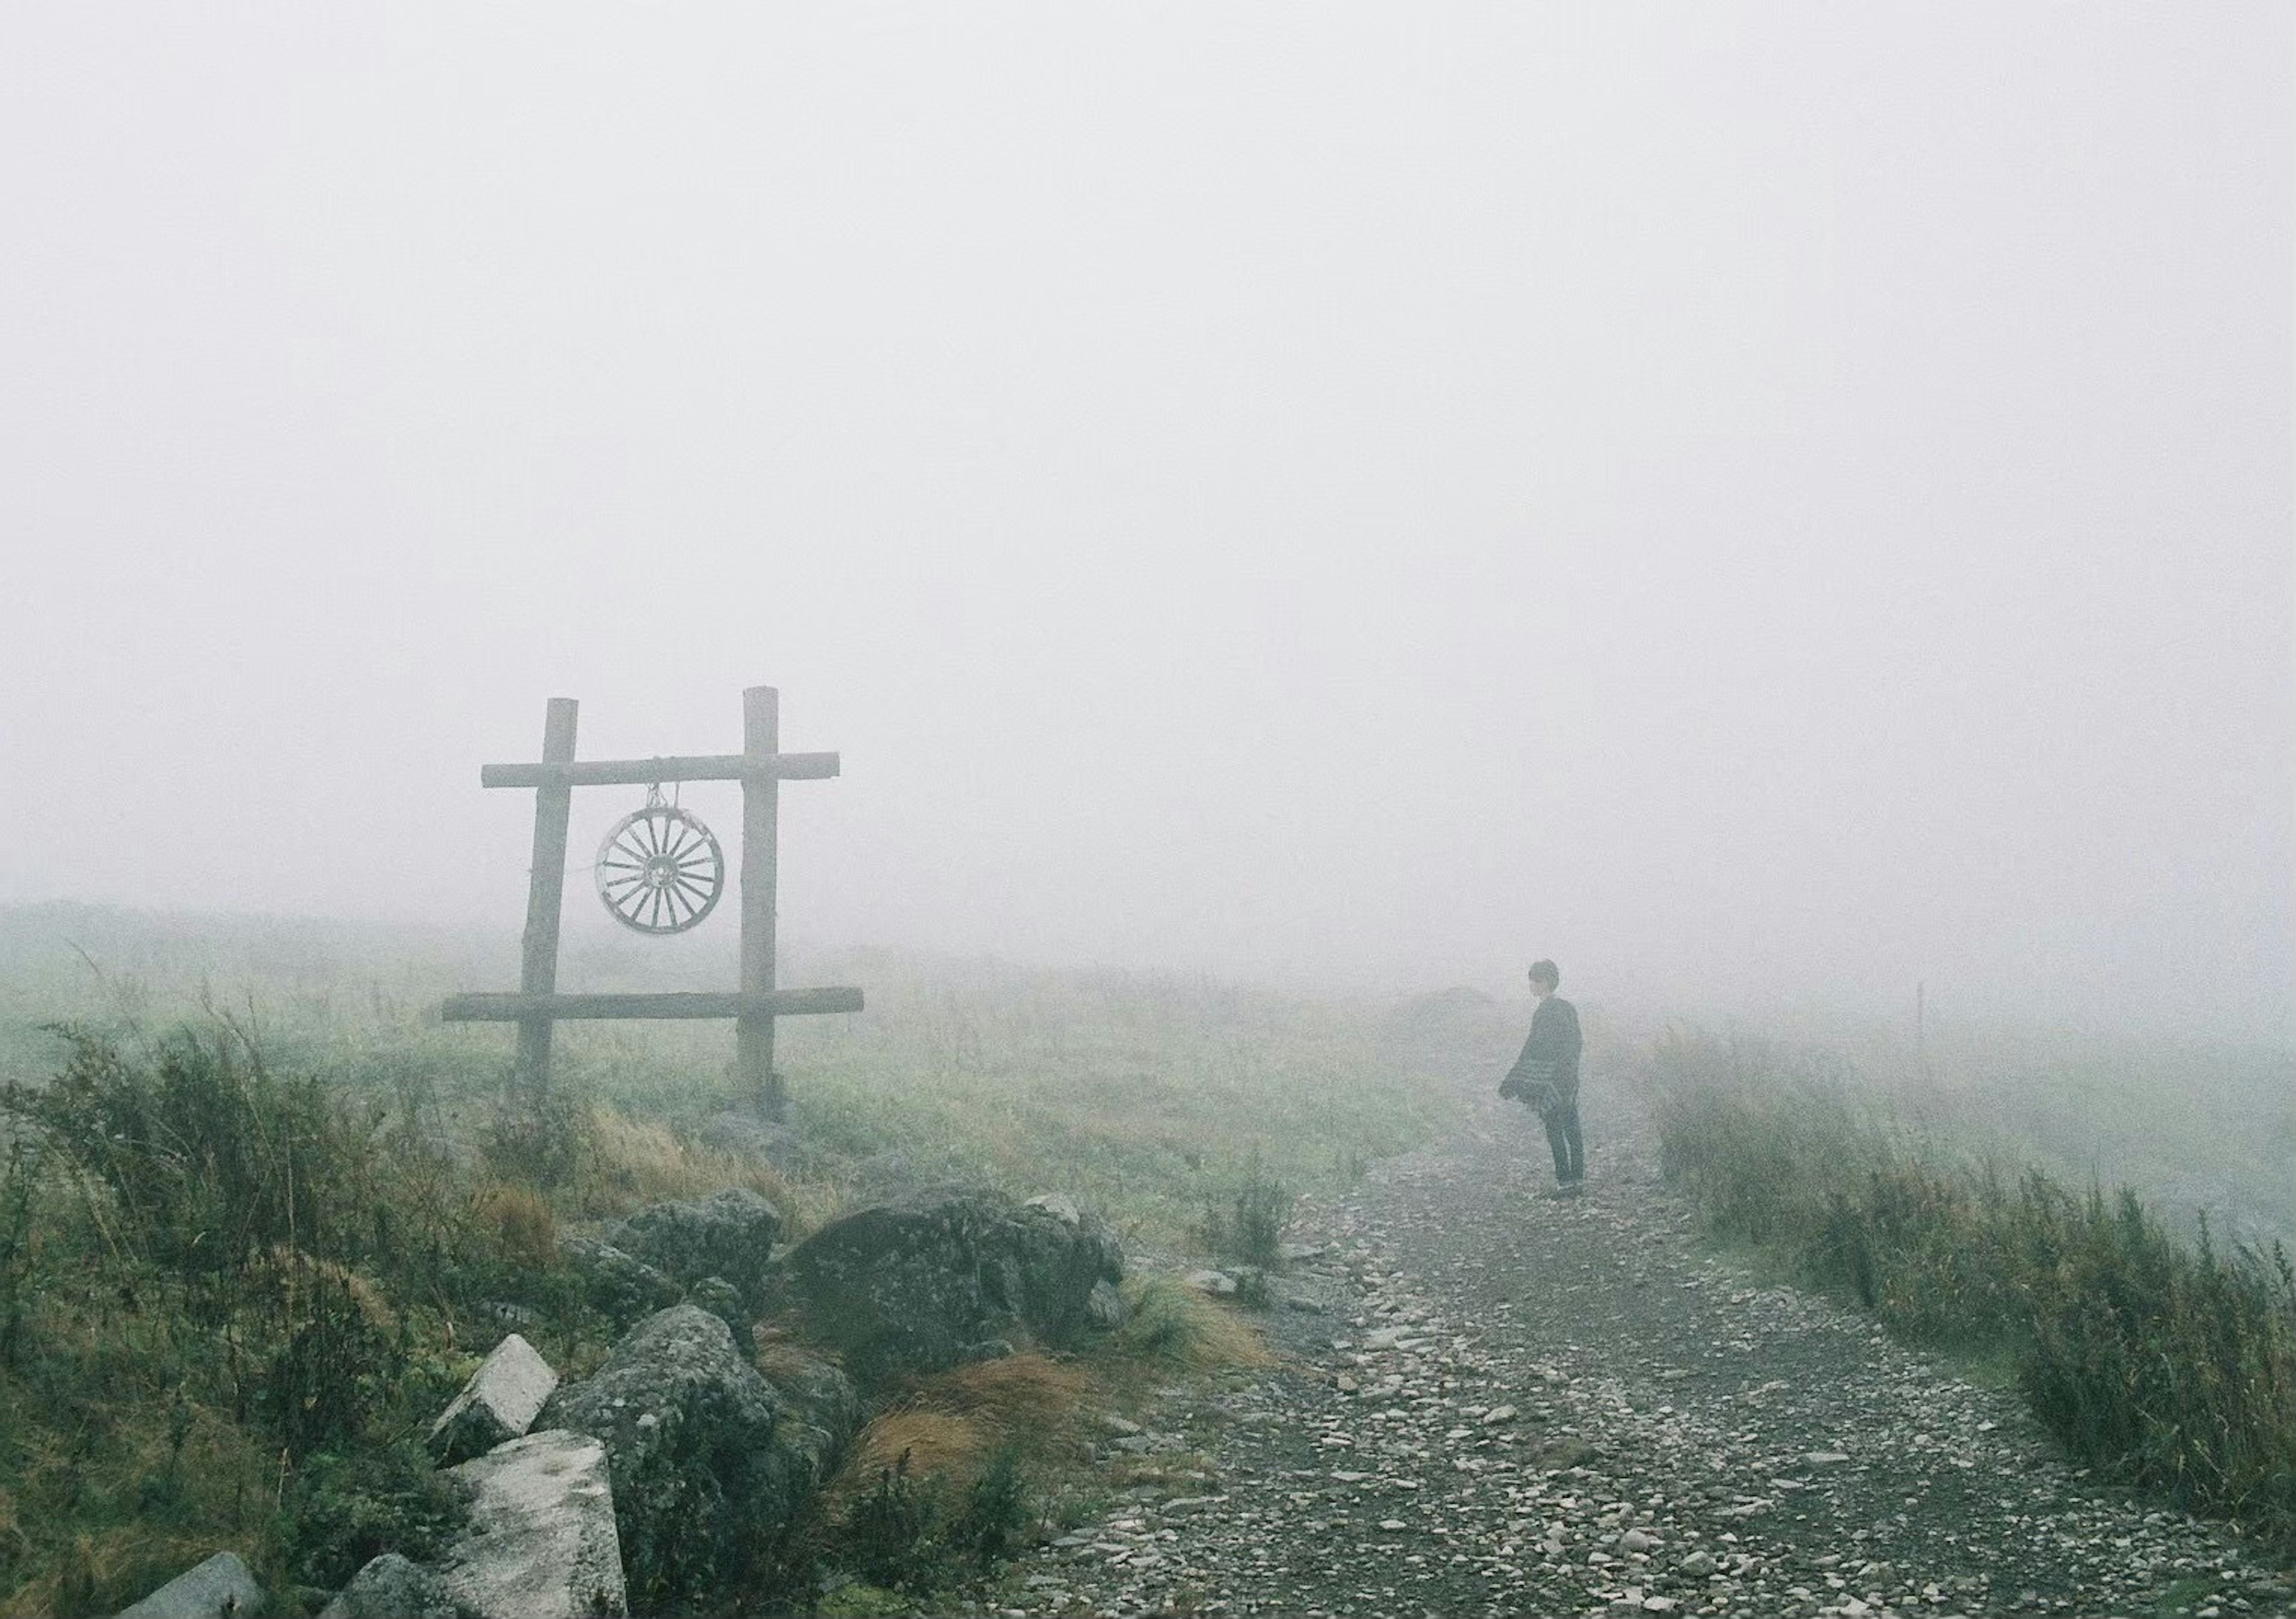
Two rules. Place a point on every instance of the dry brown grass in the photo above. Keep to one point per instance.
(519, 1222)
(1021, 1394)
(938, 1445)
(952, 1422)
(1174, 1325)
(634, 1162)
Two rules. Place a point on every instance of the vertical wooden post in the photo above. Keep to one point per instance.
(545, 885)
(761, 814)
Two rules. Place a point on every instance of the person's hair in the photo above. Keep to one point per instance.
(1546, 973)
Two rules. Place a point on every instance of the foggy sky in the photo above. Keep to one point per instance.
(1756, 502)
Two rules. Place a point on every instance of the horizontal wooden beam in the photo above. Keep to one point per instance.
(646, 772)
(773, 1003)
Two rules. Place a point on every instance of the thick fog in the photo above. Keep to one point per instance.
(1765, 505)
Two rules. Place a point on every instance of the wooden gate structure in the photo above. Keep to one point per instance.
(761, 767)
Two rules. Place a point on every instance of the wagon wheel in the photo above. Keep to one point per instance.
(659, 870)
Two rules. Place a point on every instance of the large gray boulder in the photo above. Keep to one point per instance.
(540, 1542)
(391, 1587)
(712, 1464)
(729, 1233)
(498, 1404)
(918, 1284)
(221, 1588)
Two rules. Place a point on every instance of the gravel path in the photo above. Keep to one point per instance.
(1509, 1405)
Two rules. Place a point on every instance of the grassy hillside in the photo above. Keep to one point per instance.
(258, 1204)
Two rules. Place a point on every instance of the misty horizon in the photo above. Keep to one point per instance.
(1765, 508)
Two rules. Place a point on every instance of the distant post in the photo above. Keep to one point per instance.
(761, 816)
(537, 973)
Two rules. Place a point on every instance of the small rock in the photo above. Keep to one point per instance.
(1105, 1306)
(1634, 1539)
(221, 1588)
(1498, 1414)
(1825, 1458)
(391, 1587)
(1184, 1506)
(499, 1403)
(1219, 1284)
(1058, 1207)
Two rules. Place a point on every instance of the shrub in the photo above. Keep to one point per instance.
(336, 1358)
(986, 1530)
(536, 1137)
(1250, 1225)
(211, 1160)
(887, 1530)
(346, 1508)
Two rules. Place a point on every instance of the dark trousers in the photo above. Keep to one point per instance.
(1562, 1135)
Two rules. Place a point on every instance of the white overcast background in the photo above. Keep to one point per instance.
(1766, 504)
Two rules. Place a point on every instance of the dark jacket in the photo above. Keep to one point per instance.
(1551, 1054)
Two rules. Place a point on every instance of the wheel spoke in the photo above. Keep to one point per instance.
(661, 870)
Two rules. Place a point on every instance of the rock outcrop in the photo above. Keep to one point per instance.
(221, 1588)
(541, 1542)
(711, 1463)
(499, 1403)
(729, 1233)
(917, 1284)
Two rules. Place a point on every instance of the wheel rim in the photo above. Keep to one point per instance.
(660, 871)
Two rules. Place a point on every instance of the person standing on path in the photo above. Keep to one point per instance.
(1546, 1076)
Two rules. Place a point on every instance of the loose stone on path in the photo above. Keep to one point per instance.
(1515, 1406)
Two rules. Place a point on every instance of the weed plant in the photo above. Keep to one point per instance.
(2168, 1364)
(1249, 1224)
